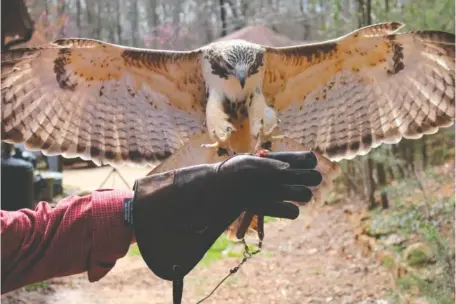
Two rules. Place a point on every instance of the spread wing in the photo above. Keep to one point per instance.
(99, 101)
(372, 86)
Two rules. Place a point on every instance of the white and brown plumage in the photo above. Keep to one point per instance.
(116, 104)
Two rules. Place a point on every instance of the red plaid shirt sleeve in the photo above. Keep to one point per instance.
(80, 234)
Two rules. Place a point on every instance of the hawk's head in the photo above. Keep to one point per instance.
(238, 58)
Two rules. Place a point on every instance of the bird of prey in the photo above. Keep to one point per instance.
(339, 98)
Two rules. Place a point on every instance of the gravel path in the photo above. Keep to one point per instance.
(91, 179)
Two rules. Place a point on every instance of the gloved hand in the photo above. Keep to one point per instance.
(178, 215)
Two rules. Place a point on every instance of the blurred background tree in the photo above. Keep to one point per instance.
(188, 24)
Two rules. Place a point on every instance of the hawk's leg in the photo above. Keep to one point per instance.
(247, 217)
(263, 119)
(260, 218)
(218, 124)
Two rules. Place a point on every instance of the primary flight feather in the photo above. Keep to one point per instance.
(116, 104)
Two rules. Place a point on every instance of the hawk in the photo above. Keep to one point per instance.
(340, 98)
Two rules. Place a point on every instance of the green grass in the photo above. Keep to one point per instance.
(388, 261)
(268, 219)
(134, 250)
(222, 248)
(35, 286)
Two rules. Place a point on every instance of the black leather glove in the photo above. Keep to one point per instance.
(178, 215)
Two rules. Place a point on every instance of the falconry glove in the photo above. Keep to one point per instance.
(178, 215)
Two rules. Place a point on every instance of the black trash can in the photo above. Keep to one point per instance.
(17, 184)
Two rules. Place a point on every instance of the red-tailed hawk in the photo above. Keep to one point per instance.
(116, 104)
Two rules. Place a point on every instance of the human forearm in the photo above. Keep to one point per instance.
(80, 234)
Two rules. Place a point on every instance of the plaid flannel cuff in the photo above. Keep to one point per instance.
(111, 237)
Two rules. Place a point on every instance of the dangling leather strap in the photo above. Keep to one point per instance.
(178, 286)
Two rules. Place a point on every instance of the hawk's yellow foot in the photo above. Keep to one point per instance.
(263, 137)
(221, 143)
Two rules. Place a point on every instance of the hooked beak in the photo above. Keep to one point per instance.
(240, 75)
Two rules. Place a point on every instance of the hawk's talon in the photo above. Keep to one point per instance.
(221, 142)
(277, 137)
(263, 137)
(267, 145)
(269, 133)
(222, 152)
(211, 146)
(221, 149)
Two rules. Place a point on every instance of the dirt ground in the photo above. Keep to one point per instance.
(313, 259)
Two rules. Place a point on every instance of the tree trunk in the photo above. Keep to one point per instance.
(119, 22)
(134, 23)
(411, 155)
(424, 152)
(368, 13)
(152, 20)
(361, 13)
(206, 23)
(353, 187)
(407, 154)
(238, 20)
(389, 168)
(61, 13)
(111, 29)
(397, 155)
(369, 182)
(381, 176)
(98, 18)
(90, 12)
(347, 182)
(223, 18)
(78, 17)
(245, 7)
(46, 21)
